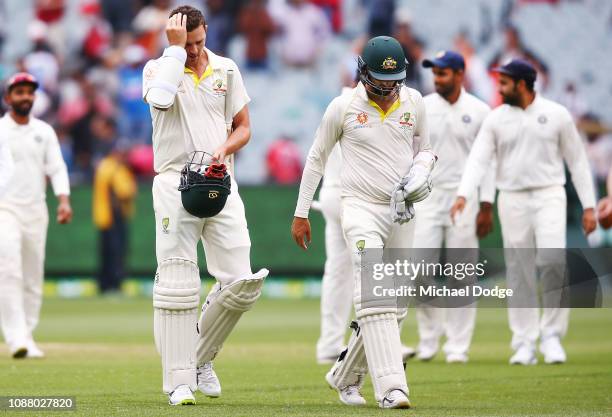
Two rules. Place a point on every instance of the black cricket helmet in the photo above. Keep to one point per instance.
(382, 59)
(205, 185)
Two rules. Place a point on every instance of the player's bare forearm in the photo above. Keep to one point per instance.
(240, 136)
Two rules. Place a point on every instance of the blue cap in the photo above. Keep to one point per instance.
(446, 59)
(519, 69)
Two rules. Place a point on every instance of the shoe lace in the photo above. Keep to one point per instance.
(206, 370)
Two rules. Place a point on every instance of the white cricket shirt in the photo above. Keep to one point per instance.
(36, 154)
(530, 146)
(452, 131)
(377, 148)
(196, 120)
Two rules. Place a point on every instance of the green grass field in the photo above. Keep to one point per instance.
(101, 351)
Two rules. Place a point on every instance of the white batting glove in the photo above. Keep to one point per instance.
(417, 184)
(402, 211)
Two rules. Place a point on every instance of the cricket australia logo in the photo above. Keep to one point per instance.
(405, 119)
(219, 86)
(165, 224)
(389, 64)
(360, 246)
(213, 194)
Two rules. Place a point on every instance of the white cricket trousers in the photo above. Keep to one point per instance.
(531, 220)
(22, 258)
(337, 283)
(433, 226)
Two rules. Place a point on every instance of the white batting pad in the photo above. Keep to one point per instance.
(381, 339)
(351, 366)
(175, 301)
(221, 312)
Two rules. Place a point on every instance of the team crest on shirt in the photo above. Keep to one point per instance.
(38, 139)
(219, 86)
(542, 120)
(406, 120)
(389, 63)
(466, 119)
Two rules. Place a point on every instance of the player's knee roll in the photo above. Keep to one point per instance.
(177, 285)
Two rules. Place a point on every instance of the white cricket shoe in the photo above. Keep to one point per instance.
(408, 352)
(395, 399)
(426, 352)
(456, 358)
(34, 351)
(349, 395)
(553, 351)
(208, 383)
(524, 355)
(181, 395)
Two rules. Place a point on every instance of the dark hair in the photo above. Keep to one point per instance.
(529, 83)
(195, 18)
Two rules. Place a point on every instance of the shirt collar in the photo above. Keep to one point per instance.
(12, 123)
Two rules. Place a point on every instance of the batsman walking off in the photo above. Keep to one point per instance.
(530, 137)
(386, 166)
(35, 155)
(189, 90)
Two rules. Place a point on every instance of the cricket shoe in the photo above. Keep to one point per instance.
(408, 353)
(395, 399)
(349, 395)
(456, 358)
(524, 355)
(181, 395)
(208, 383)
(34, 351)
(553, 351)
(426, 352)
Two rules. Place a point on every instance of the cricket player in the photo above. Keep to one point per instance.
(604, 207)
(24, 216)
(190, 90)
(530, 137)
(7, 167)
(454, 118)
(386, 166)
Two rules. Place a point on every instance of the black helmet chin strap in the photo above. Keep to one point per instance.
(377, 90)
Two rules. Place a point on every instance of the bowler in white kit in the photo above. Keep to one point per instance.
(35, 154)
(192, 94)
(530, 137)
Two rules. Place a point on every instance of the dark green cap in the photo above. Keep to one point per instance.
(385, 59)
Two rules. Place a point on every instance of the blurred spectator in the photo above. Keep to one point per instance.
(284, 162)
(574, 102)
(135, 117)
(348, 71)
(304, 31)
(477, 79)
(118, 14)
(413, 49)
(257, 26)
(380, 17)
(220, 26)
(140, 159)
(150, 24)
(41, 61)
(98, 32)
(333, 11)
(114, 193)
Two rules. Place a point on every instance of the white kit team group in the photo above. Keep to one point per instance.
(381, 147)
